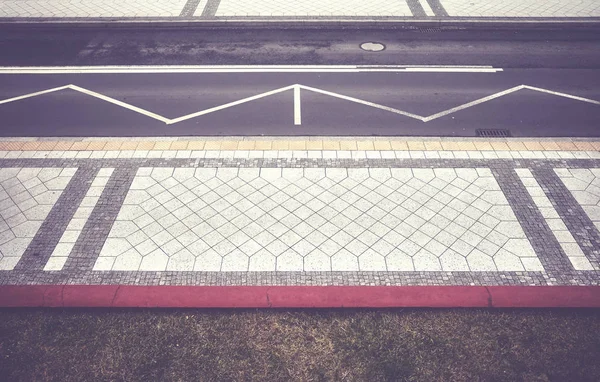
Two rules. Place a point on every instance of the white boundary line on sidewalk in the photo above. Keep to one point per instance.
(246, 69)
(297, 102)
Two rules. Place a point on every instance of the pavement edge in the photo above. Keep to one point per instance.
(132, 296)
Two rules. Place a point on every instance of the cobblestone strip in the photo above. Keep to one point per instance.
(189, 8)
(210, 9)
(39, 251)
(90, 241)
(369, 278)
(555, 261)
(416, 8)
(438, 8)
(575, 218)
(421, 162)
(69, 238)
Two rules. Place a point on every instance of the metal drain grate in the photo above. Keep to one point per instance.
(492, 133)
(429, 30)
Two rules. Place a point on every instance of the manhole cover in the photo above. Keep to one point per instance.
(372, 46)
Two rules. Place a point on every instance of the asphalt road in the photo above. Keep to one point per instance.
(560, 61)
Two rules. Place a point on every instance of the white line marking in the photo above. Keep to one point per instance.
(246, 69)
(297, 106)
(375, 105)
(297, 102)
(562, 94)
(473, 103)
(230, 104)
(34, 94)
(427, 8)
(120, 103)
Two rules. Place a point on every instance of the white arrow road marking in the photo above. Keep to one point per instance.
(297, 102)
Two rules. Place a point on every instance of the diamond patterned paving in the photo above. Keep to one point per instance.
(311, 8)
(294, 219)
(26, 197)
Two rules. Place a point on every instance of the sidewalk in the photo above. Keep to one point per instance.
(302, 10)
(389, 222)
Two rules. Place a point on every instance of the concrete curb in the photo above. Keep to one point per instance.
(407, 23)
(122, 296)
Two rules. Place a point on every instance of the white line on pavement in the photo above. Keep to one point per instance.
(246, 69)
(230, 104)
(297, 102)
(297, 106)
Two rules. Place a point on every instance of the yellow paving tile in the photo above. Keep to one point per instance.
(297, 145)
(263, 145)
(30, 146)
(79, 146)
(196, 145)
(246, 145)
(46, 145)
(567, 146)
(348, 145)
(365, 145)
(280, 145)
(179, 145)
(229, 145)
(113, 145)
(516, 146)
(458, 146)
(550, 145)
(212, 145)
(63, 145)
(499, 146)
(382, 145)
(162, 145)
(331, 145)
(399, 145)
(596, 145)
(585, 146)
(314, 145)
(433, 145)
(96, 145)
(416, 145)
(13, 146)
(483, 146)
(129, 145)
(533, 145)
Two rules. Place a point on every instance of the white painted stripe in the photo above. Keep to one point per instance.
(352, 99)
(473, 103)
(562, 94)
(245, 69)
(120, 103)
(297, 106)
(34, 94)
(297, 101)
(227, 105)
(450, 70)
(426, 8)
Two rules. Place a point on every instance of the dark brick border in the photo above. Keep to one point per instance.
(575, 218)
(40, 249)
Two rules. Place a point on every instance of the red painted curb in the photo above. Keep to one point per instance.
(297, 296)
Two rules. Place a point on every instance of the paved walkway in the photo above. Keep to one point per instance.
(316, 212)
(299, 9)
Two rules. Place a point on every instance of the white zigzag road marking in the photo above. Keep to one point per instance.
(297, 102)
